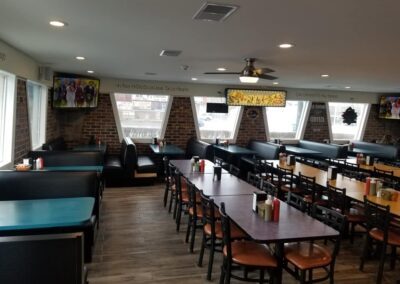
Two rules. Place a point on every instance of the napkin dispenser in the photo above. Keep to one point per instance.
(257, 198)
(332, 172)
(217, 172)
(291, 160)
(369, 161)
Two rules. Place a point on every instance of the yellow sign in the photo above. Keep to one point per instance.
(241, 97)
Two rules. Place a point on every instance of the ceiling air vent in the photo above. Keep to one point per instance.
(215, 12)
(166, 52)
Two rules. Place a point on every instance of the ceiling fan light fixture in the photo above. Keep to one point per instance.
(248, 79)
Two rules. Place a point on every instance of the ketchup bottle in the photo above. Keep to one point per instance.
(367, 185)
(276, 205)
(202, 165)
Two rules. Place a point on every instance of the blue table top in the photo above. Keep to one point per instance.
(235, 150)
(91, 148)
(168, 149)
(73, 169)
(45, 213)
(300, 151)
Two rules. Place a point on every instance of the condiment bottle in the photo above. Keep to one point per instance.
(192, 164)
(268, 209)
(277, 206)
(372, 189)
(367, 185)
(202, 165)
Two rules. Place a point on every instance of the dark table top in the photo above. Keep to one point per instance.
(293, 225)
(185, 167)
(98, 169)
(228, 185)
(300, 151)
(91, 148)
(167, 150)
(364, 151)
(235, 150)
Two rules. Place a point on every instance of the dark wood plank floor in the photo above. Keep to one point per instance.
(137, 243)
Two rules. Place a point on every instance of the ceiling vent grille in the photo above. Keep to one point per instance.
(215, 12)
(172, 53)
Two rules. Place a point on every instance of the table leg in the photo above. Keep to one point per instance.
(279, 255)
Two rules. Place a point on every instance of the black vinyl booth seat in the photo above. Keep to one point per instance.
(68, 158)
(381, 151)
(44, 185)
(265, 151)
(327, 151)
(57, 144)
(195, 147)
(128, 166)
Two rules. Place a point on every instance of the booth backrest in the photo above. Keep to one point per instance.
(331, 151)
(383, 151)
(129, 161)
(57, 144)
(199, 148)
(265, 150)
(68, 158)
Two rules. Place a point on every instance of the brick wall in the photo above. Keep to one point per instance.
(52, 124)
(377, 127)
(317, 124)
(22, 136)
(252, 126)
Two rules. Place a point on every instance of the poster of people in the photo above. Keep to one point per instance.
(75, 92)
(389, 107)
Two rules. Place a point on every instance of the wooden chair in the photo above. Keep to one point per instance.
(195, 214)
(296, 201)
(310, 191)
(181, 198)
(212, 232)
(172, 188)
(268, 187)
(338, 201)
(387, 177)
(243, 255)
(379, 232)
(308, 256)
(233, 170)
(169, 183)
(268, 172)
(286, 182)
(253, 179)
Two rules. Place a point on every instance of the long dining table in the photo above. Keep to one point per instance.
(185, 167)
(379, 166)
(237, 195)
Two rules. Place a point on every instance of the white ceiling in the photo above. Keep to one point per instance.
(356, 42)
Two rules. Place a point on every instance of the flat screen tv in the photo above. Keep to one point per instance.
(217, 108)
(389, 107)
(267, 98)
(74, 91)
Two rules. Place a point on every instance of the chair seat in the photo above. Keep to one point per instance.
(307, 255)
(355, 218)
(286, 188)
(321, 202)
(236, 232)
(199, 211)
(393, 237)
(249, 253)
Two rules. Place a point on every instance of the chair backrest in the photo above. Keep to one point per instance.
(234, 170)
(178, 183)
(192, 197)
(296, 201)
(377, 216)
(268, 187)
(253, 179)
(267, 170)
(218, 161)
(336, 198)
(42, 259)
(226, 230)
(386, 176)
(308, 186)
(350, 173)
(285, 176)
(208, 206)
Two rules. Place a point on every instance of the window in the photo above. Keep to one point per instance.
(342, 131)
(287, 122)
(7, 117)
(141, 117)
(215, 125)
(37, 106)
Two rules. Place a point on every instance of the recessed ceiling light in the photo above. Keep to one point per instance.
(286, 45)
(347, 87)
(57, 24)
(221, 69)
(80, 58)
(150, 73)
(90, 71)
(275, 83)
(324, 75)
(194, 79)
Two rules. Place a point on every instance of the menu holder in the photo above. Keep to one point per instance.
(257, 198)
(291, 160)
(217, 172)
(332, 172)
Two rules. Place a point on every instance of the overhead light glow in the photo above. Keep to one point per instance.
(57, 24)
(90, 71)
(80, 58)
(194, 79)
(324, 75)
(248, 79)
(221, 69)
(286, 45)
(347, 87)
(275, 83)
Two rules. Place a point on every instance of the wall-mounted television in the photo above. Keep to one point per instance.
(245, 97)
(217, 108)
(389, 107)
(74, 91)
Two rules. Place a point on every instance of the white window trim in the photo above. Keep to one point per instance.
(43, 119)
(140, 140)
(196, 123)
(9, 147)
(361, 131)
(302, 124)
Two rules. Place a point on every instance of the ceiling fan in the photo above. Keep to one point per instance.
(249, 74)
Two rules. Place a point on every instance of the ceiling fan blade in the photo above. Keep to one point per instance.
(268, 77)
(222, 73)
(264, 70)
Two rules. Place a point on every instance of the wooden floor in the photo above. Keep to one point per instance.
(137, 243)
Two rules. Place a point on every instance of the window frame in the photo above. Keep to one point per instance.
(196, 123)
(43, 114)
(9, 128)
(302, 123)
(118, 120)
(361, 131)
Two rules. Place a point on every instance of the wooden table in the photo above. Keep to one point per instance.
(167, 150)
(301, 151)
(293, 225)
(233, 152)
(379, 166)
(185, 167)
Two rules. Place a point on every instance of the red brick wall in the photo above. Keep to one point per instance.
(22, 136)
(317, 124)
(52, 124)
(377, 127)
(252, 126)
